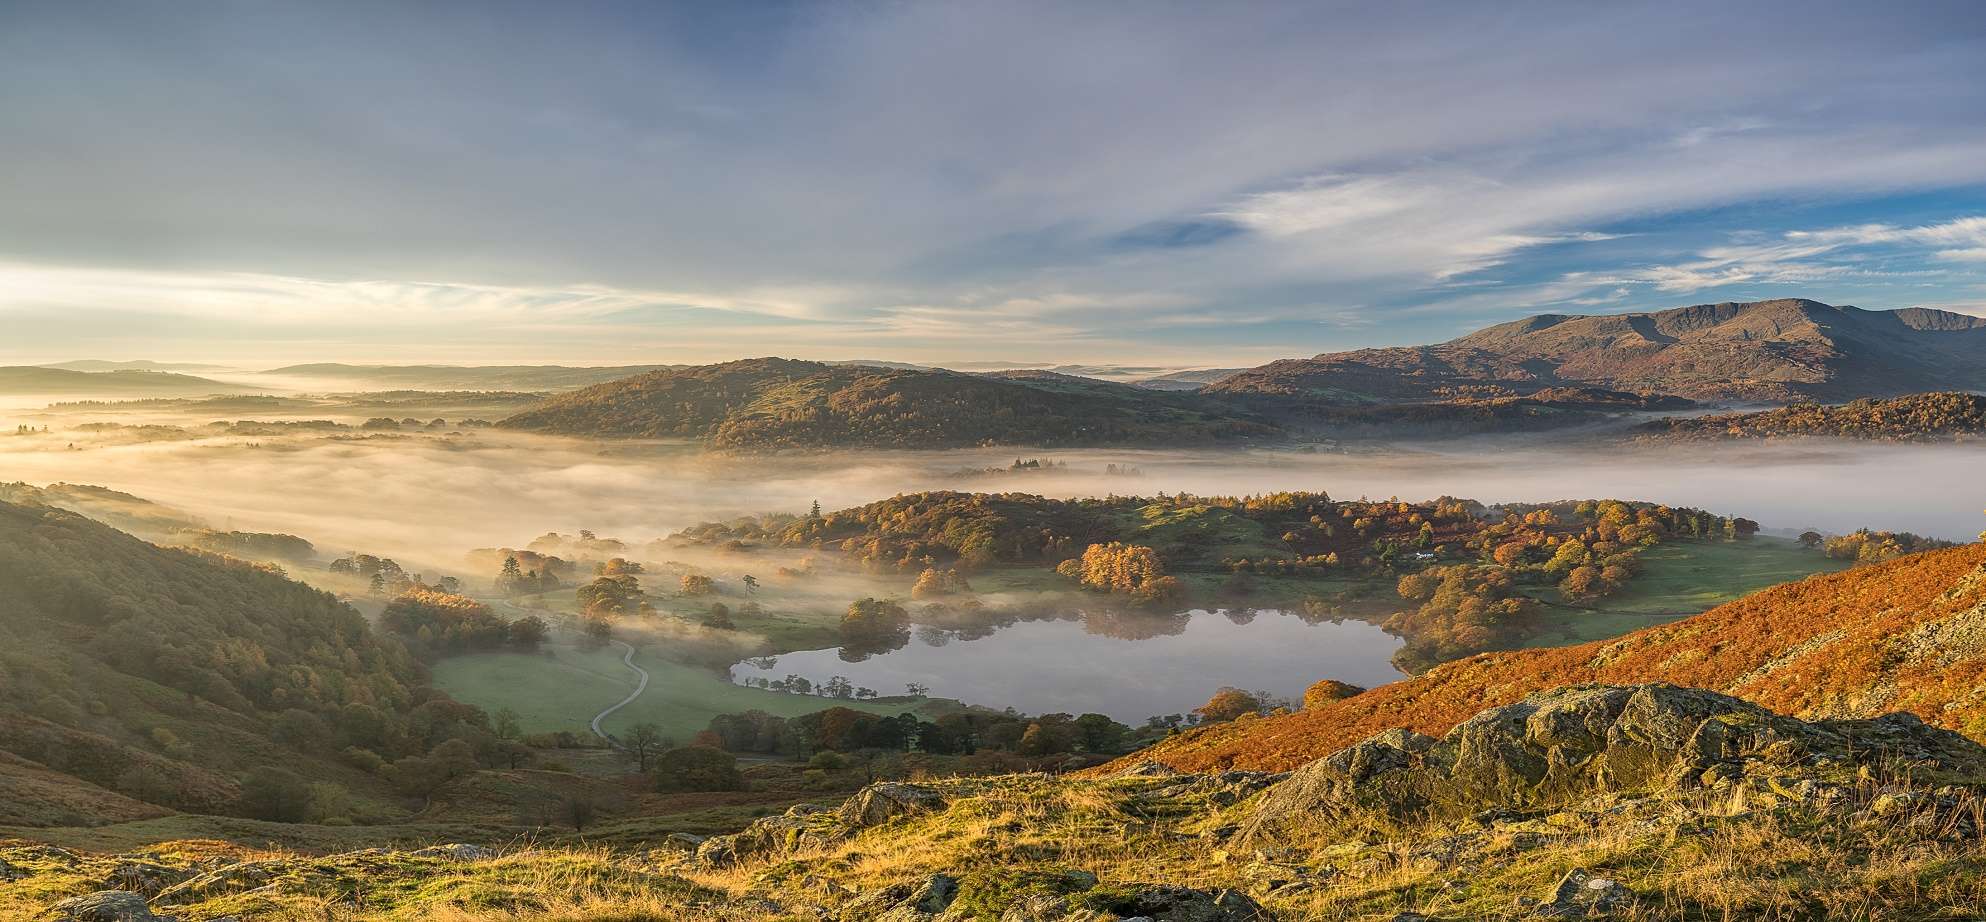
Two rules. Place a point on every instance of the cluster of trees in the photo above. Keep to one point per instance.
(841, 729)
(1865, 546)
(1464, 609)
(835, 687)
(436, 623)
(934, 583)
(515, 580)
(874, 624)
(382, 575)
(1130, 569)
(249, 545)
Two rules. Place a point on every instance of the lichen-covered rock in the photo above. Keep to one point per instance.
(104, 906)
(1581, 894)
(879, 803)
(1169, 903)
(911, 901)
(145, 877)
(1558, 747)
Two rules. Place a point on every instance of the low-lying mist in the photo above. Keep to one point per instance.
(426, 498)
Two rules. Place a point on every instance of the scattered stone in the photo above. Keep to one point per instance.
(688, 841)
(104, 906)
(454, 852)
(143, 877)
(1580, 894)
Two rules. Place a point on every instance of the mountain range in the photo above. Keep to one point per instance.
(1765, 351)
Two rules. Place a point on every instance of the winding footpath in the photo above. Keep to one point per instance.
(627, 657)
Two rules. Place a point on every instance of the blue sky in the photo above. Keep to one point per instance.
(1175, 184)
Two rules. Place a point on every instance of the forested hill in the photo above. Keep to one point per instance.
(782, 403)
(1899, 636)
(135, 678)
(1778, 351)
(1946, 417)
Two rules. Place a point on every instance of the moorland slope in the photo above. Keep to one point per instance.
(1907, 635)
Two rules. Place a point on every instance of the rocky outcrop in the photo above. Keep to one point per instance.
(810, 826)
(1559, 747)
(104, 906)
(1047, 896)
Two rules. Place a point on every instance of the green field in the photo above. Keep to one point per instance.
(562, 688)
(1681, 579)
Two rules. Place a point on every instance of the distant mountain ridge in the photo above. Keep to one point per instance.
(1771, 351)
(463, 377)
(36, 379)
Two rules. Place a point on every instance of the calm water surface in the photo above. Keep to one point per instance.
(1127, 666)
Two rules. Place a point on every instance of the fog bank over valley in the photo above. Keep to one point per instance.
(429, 495)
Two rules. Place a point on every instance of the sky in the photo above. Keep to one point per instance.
(1187, 185)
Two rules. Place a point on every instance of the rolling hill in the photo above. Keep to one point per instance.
(783, 403)
(1772, 351)
(35, 379)
(1909, 635)
(332, 375)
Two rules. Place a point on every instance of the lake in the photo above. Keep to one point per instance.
(1127, 666)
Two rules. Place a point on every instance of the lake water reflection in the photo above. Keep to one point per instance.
(1129, 666)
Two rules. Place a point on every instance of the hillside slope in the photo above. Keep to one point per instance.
(1909, 635)
(1774, 351)
(1942, 417)
(773, 403)
(149, 676)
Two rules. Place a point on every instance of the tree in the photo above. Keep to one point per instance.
(1811, 539)
(642, 740)
(697, 768)
(1228, 704)
(613, 595)
(751, 582)
(511, 580)
(504, 724)
(875, 622)
(578, 811)
(719, 617)
(694, 584)
(528, 632)
(271, 793)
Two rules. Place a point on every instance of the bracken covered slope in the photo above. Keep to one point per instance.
(1775, 351)
(1909, 635)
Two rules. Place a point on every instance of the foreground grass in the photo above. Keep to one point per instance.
(1727, 854)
